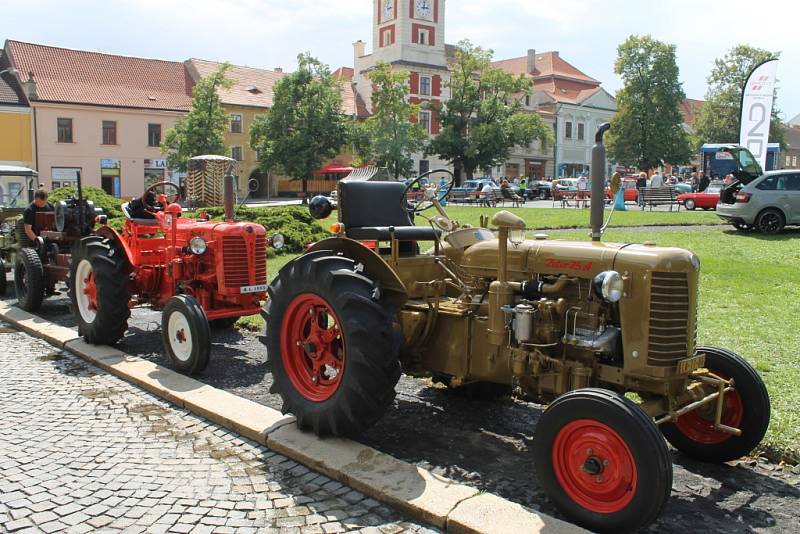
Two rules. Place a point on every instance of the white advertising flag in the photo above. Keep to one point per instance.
(757, 96)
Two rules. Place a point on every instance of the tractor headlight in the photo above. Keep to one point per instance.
(609, 285)
(198, 245)
(278, 241)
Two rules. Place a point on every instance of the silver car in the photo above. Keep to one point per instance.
(766, 203)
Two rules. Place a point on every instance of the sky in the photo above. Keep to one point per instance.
(270, 33)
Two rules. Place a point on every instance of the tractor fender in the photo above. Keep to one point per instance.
(393, 288)
(112, 235)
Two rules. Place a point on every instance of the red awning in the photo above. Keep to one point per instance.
(334, 168)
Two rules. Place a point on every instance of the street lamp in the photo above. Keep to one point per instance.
(10, 70)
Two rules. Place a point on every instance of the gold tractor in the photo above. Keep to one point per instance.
(603, 332)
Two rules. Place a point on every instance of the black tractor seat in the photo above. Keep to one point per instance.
(139, 221)
(370, 210)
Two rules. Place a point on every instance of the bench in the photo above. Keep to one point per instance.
(657, 196)
(507, 195)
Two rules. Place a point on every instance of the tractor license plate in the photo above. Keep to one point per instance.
(689, 365)
(253, 289)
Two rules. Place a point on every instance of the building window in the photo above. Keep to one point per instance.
(153, 135)
(236, 123)
(64, 130)
(581, 127)
(425, 120)
(424, 166)
(788, 160)
(109, 132)
(794, 161)
(236, 153)
(568, 130)
(527, 101)
(423, 37)
(425, 85)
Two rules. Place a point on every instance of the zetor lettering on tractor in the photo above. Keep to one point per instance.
(196, 271)
(575, 324)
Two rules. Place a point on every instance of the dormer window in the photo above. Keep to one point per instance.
(253, 90)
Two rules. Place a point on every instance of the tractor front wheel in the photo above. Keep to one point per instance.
(29, 279)
(186, 334)
(98, 290)
(747, 408)
(331, 345)
(602, 461)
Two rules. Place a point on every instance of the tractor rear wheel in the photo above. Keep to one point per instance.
(747, 408)
(186, 334)
(98, 290)
(331, 344)
(29, 279)
(602, 461)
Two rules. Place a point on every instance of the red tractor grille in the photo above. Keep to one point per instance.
(671, 337)
(236, 261)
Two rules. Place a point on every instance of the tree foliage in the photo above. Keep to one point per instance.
(718, 120)
(305, 125)
(647, 129)
(202, 130)
(484, 117)
(389, 136)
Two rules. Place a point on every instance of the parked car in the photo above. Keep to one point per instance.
(766, 203)
(706, 200)
(629, 188)
(683, 187)
(469, 186)
(538, 189)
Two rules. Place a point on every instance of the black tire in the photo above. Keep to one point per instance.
(619, 502)
(753, 398)
(223, 324)
(689, 204)
(188, 351)
(104, 319)
(770, 222)
(542, 194)
(19, 231)
(363, 352)
(29, 279)
(3, 279)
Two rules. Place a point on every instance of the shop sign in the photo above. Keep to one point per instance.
(155, 164)
(62, 173)
(109, 164)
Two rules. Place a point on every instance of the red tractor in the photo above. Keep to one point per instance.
(196, 270)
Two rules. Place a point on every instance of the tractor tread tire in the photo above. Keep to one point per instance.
(31, 295)
(111, 270)
(639, 432)
(372, 365)
(755, 419)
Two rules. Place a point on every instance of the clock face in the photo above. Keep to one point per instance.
(424, 8)
(388, 9)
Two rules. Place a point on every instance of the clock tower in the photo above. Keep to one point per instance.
(409, 31)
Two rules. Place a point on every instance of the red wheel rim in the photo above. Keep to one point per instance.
(90, 290)
(312, 347)
(594, 466)
(698, 425)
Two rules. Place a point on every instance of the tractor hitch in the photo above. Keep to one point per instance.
(722, 388)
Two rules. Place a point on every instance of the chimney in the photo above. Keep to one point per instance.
(30, 87)
(278, 69)
(531, 60)
(360, 48)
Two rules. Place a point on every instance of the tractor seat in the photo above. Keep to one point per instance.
(139, 221)
(369, 210)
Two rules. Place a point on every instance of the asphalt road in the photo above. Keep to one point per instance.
(486, 444)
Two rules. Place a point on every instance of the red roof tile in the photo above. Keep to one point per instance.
(551, 74)
(690, 108)
(82, 77)
(251, 86)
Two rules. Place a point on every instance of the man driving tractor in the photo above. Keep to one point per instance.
(39, 204)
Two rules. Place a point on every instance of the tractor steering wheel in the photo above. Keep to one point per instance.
(425, 202)
(152, 189)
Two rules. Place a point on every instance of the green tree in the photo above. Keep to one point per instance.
(718, 120)
(484, 117)
(647, 129)
(202, 130)
(305, 125)
(391, 137)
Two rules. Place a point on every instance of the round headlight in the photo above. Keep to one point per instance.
(609, 286)
(278, 241)
(198, 245)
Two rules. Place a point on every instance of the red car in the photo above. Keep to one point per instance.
(706, 200)
(629, 185)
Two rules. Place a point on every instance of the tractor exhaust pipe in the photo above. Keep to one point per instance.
(227, 194)
(598, 182)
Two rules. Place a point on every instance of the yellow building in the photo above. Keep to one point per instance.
(16, 141)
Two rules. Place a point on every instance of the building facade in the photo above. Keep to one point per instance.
(790, 157)
(16, 136)
(100, 115)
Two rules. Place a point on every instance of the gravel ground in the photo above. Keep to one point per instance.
(486, 443)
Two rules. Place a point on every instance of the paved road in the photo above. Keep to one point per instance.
(81, 450)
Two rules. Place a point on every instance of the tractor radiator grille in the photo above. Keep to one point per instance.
(671, 336)
(236, 261)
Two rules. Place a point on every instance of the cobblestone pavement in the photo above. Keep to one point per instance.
(81, 451)
(486, 444)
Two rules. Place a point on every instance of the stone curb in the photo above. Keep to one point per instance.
(416, 491)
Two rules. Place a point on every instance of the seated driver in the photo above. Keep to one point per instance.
(39, 204)
(143, 207)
